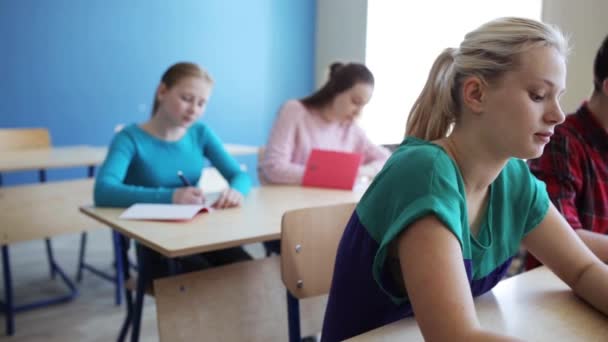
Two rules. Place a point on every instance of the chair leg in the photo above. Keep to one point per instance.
(8, 307)
(49, 248)
(50, 257)
(293, 316)
(81, 254)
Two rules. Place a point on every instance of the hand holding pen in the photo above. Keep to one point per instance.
(188, 194)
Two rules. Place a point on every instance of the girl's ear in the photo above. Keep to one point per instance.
(473, 91)
(161, 91)
(605, 87)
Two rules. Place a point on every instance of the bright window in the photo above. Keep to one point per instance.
(403, 40)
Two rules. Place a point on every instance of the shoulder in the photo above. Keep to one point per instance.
(200, 132)
(414, 171)
(518, 185)
(416, 159)
(521, 197)
(293, 109)
(130, 134)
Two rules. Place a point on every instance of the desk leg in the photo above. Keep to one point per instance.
(122, 247)
(142, 280)
(9, 309)
(119, 264)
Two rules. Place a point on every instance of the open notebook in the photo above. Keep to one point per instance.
(168, 212)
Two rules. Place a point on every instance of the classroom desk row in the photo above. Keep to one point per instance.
(257, 220)
(535, 305)
(41, 211)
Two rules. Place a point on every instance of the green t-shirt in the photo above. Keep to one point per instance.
(421, 179)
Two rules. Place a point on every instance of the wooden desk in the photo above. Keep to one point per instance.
(72, 156)
(38, 211)
(259, 219)
(534, 306)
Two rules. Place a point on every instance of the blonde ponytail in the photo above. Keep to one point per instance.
(434, 110)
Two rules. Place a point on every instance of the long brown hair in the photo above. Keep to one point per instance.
(177, 72)
(341, 78)
(487, 53)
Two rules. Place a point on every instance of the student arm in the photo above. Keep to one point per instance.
(277, 166)
(239, 180)
(597, 243)
(110, 189)
(556, 245)
(437, 285)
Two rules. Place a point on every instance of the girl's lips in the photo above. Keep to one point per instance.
(544, 137)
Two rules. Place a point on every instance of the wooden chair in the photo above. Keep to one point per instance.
(309, 243)
(245, 301)
(238, 302)
(16, 139)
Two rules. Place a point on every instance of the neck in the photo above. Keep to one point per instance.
(598, 105)
(327, 113)
(162, 129)
(478, 166)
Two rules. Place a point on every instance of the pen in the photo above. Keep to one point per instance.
(180, 174)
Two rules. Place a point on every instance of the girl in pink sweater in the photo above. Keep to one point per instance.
(323, 120)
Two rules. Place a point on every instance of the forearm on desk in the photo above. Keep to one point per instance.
(107, 194)
(592, 286)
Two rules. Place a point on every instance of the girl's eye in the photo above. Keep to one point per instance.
(536, 97)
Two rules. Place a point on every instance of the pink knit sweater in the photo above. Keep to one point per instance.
(298, 130)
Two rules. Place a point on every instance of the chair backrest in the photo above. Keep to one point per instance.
(309, 243)
(13, 139)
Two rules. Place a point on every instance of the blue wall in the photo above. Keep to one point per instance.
(81, 67)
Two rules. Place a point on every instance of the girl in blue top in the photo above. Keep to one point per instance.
(443, 219)
(143, 160)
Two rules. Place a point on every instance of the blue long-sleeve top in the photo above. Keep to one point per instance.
(141, 168)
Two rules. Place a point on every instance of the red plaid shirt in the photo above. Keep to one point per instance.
(574, 166)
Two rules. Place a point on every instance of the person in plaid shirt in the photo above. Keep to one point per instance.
(574, 165)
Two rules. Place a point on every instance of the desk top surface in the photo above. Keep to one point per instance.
(48, 158)
(75, 156)
(534, 306)
(257, 220)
